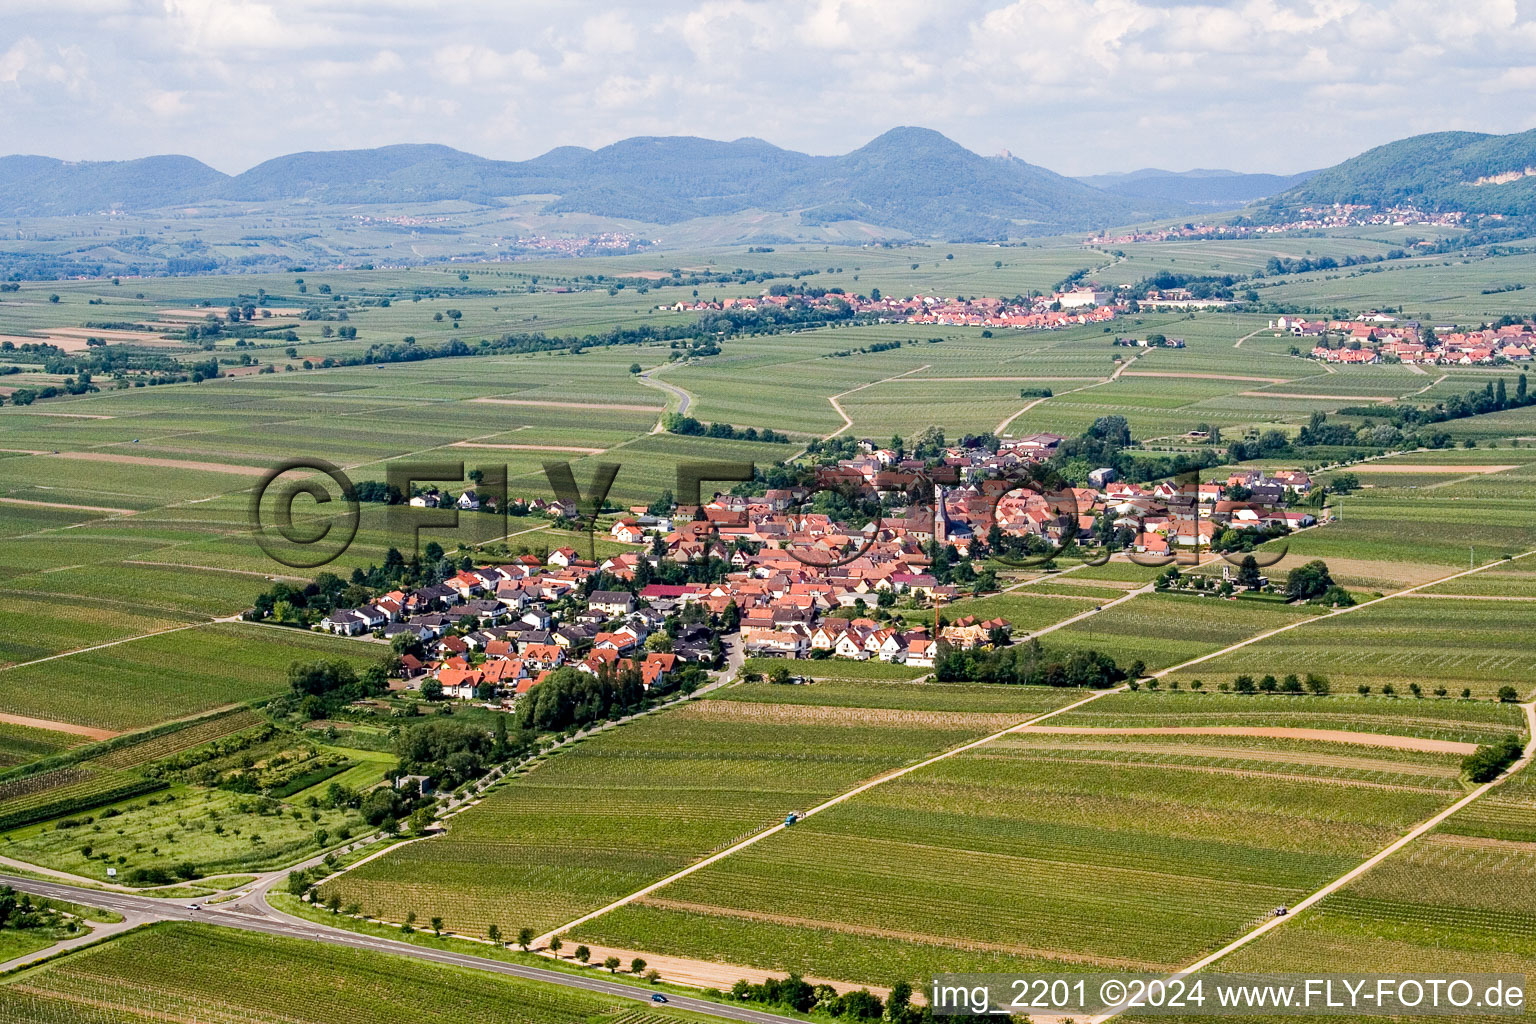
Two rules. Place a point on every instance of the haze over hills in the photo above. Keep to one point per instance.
(1219, 189)
(910, 180)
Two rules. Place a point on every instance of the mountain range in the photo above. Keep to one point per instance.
(910, 181)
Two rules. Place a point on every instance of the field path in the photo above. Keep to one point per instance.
(1091, 612)
(848, 420)
(1364, 739)
(543, 940)
(146, 460)
(1251, 334)
(1349, 876)
(77, 508)
(708, 974)
(998, 430)
(52, 726)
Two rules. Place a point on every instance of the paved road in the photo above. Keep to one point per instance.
(143, 909)
(683, 397)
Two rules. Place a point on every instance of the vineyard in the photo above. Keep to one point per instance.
(189, 972)
(1479, 645)
(1465, 721)
(627, 807)
(1030, 853)
(20, 744)
(1444, 905)
(65, 790)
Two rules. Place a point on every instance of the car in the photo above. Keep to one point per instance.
(1281, 911)
(657, 997)
(194, 906)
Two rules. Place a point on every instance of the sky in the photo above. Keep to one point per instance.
(1079, 86)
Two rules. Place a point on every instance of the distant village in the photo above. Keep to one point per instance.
(1379, 338)
(1308, 218)
(794, 583)
(1087, 304)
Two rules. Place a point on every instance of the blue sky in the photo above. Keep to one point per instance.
(1080, 86)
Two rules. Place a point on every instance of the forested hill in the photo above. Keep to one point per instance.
(1439, 172)
(909, 179)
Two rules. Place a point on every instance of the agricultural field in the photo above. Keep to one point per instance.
(1433, 642)
(187, 971)
(1452, 902)
(1045, 850)
(126, 803)
(629, 806)
(20, 744)
(170, 675)
(219, 832)
(1458, 721)
(1162, 630)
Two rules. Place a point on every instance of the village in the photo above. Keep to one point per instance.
(1308, 218)
(1070, 307)
(791, 582)
(1380, 338)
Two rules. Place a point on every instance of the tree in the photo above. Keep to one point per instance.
(437, 926)
(410, 922)
(333, 903)
(1308, 581)
(420, 820)
(1363, 690)
(1269, 684)
(525, 939)
(432, 690)
(494, 934)
(555, 943)
(1248, 575)
(1416, 690)
(1291, 684)
(583, 954)
(1318, 684)
(612, 963)
(1508, 695)
(1244, 684)
(637, 966)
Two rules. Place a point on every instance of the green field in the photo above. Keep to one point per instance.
(142, 682)
(629, 806)
(1445, 905)
(1477, 645)
(1040, 852)
(187, 972)
(217, 831)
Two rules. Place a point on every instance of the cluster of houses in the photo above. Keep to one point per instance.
(1378, 337)
(1084, 304)
(489, 632)
(796, 582)
(1308, 218)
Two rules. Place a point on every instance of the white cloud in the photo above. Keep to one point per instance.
(15, 60)
(1077, 85)
(228, 25)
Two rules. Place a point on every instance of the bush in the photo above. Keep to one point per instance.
(1490, 759)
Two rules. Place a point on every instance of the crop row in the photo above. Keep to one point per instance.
(67, 791)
